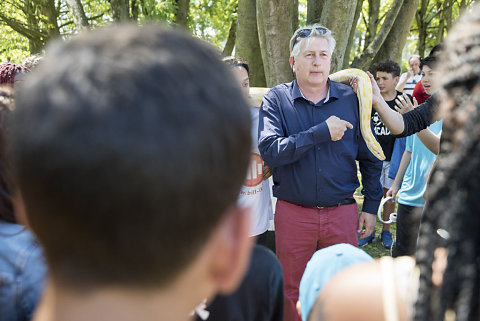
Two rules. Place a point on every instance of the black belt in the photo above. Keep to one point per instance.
(346, 201)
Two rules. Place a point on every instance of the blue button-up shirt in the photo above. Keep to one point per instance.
(308, 167)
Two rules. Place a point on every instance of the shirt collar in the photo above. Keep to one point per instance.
(331, 93)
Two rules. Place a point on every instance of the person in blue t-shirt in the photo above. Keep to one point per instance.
(413, 173)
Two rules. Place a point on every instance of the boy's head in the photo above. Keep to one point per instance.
(386, 75)
(127, 158)
(321, 268)
(429, 81)
(241, 72)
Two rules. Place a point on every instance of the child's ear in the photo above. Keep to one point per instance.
(232, 249)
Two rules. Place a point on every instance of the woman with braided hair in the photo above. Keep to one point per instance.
(451, 220)
(10, 73)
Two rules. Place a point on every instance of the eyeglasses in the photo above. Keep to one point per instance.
(304, 33)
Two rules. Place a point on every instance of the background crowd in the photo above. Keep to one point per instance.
(120, 155)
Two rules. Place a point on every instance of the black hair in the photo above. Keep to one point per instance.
(430, 61)
(452, 209)
(388, 66)
(436, 50)
(126, 155)
(236, 62)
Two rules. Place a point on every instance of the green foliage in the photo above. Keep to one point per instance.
(211, 20)
(153, 10)
(302, 13)
(12, 45)
(208, 19)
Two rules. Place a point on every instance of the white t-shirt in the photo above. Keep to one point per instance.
(411, 82)
(255, 192)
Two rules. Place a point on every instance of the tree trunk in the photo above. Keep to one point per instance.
(314, 10)
(134, 6)
(373, 14)
(78, 13)
(227, 50)
(448, 14)
(393, 45)
(247, 46)
(274, 35)
(365, 59)
(181, 16)
(120, 10)
(358, 10)
(334, 15)
(421, 20)
(294, 15)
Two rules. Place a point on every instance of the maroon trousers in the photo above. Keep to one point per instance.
(300, 232)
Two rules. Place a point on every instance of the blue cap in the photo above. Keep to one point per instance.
(323, 265)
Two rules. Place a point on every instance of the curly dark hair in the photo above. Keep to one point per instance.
(453, 195)
(8, 72)
(389, 66)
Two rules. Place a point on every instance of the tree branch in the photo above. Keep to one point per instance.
(21, 28)
(368, 54)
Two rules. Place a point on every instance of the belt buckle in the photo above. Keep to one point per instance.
(328, 206)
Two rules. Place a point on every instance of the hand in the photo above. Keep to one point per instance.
(392, 192)
(354, 83)
(267, 172)
(376, 96)
(404, 104)
(337, 127)
(367, 220)
(410, 73)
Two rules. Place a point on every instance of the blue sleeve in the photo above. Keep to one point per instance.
(275, 145)
(397, 154)
(409, 143)
(371, 169)
(33, 280)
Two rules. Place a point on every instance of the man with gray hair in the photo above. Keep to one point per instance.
(409, 79)
(309, 133)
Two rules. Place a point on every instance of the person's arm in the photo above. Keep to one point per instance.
(277, 148)
(392, 119)
(370, 168)
(403, 80)
(430, 140)
(420, 118)
(402, 168)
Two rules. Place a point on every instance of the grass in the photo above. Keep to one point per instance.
(375, 250)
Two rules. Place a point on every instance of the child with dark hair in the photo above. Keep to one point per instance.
(387, 73)
(260, 295)
(129, 161)
(255, 192)
(22, 266)
(419, 92)
(412, 176)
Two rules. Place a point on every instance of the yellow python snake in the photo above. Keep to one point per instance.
(364, 95)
